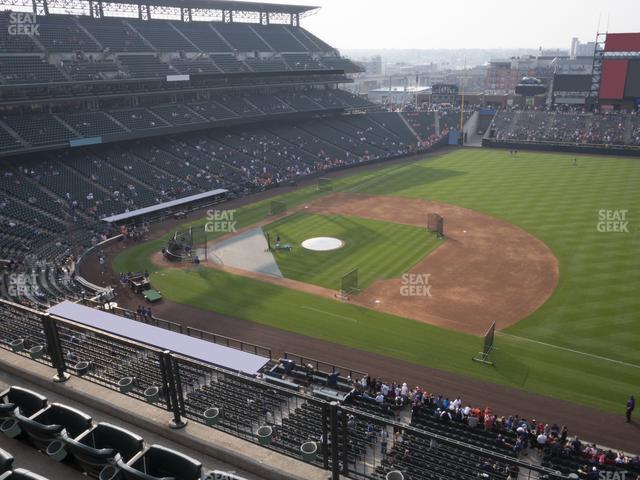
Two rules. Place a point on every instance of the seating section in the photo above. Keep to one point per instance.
(114, 34)
(163, 36)
(194, 66)
(91, 124)
(138, 119)
(65, 433)
(423, 123)
(302, 61)
(87, 70)
(177, 114)
(242, 37)
(566, 127)
(39, 129)
(61, 33)
(145, 66)
(229, 64)
(10, 43)
(273, 64)
(28, 69)
(279, 38)
(203, 36)
(90, 45)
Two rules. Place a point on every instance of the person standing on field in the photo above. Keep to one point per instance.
(631, 405)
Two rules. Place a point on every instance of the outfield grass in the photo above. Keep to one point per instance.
(379, 250)
(581, 345)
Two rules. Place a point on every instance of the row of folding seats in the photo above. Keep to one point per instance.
(66, 434)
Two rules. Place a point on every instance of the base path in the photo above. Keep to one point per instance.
(486, 270)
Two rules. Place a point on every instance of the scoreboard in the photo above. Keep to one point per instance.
(444, 93)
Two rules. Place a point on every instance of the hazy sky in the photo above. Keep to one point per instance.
(423, 24)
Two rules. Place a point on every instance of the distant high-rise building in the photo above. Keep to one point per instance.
(581, 49)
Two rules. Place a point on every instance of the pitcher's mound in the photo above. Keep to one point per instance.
(322, 244)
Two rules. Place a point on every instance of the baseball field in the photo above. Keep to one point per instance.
(567, 306)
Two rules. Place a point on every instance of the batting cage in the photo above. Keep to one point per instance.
(277, 207)
(349, 284)
(484, 355)
(435, 223)
(185, 245)
(199, 238)
(325, 185)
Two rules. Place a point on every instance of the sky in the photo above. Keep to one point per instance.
(426, 24)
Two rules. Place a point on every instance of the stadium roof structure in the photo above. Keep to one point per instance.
(230, 5)
(164, 206)
(224, 10)
(179, 343)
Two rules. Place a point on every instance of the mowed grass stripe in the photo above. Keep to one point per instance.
(595, 309)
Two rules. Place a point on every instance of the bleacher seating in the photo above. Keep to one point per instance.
(7, 141)
(228, 63)
(39, 129)
(145, 66)
(194, 66)
(91, 124)
(28, 69)
(113, 34)
(10, 43)
(423, 123)
(61, 33)
(177, 114)
(279, 38)
(203, 36)
(302, 61)
(92, 70)
(574, 128)
(162, 36)
(273, 64)
(138, 119)
(241, 37)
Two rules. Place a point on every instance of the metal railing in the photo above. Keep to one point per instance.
(179, 328)
(346, 440)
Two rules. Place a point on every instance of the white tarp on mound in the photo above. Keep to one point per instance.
(247, 251)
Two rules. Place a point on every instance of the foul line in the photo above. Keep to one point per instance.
(619, 362)
(331, 314)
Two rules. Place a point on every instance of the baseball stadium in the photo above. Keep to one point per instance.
(219, 261)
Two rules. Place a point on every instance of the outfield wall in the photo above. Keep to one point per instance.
(564, 147)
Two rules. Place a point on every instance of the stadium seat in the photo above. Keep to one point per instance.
(47, 425)
(6, 461)
(158, 462)
(21, 474)
(27, 401)
(98, 447)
